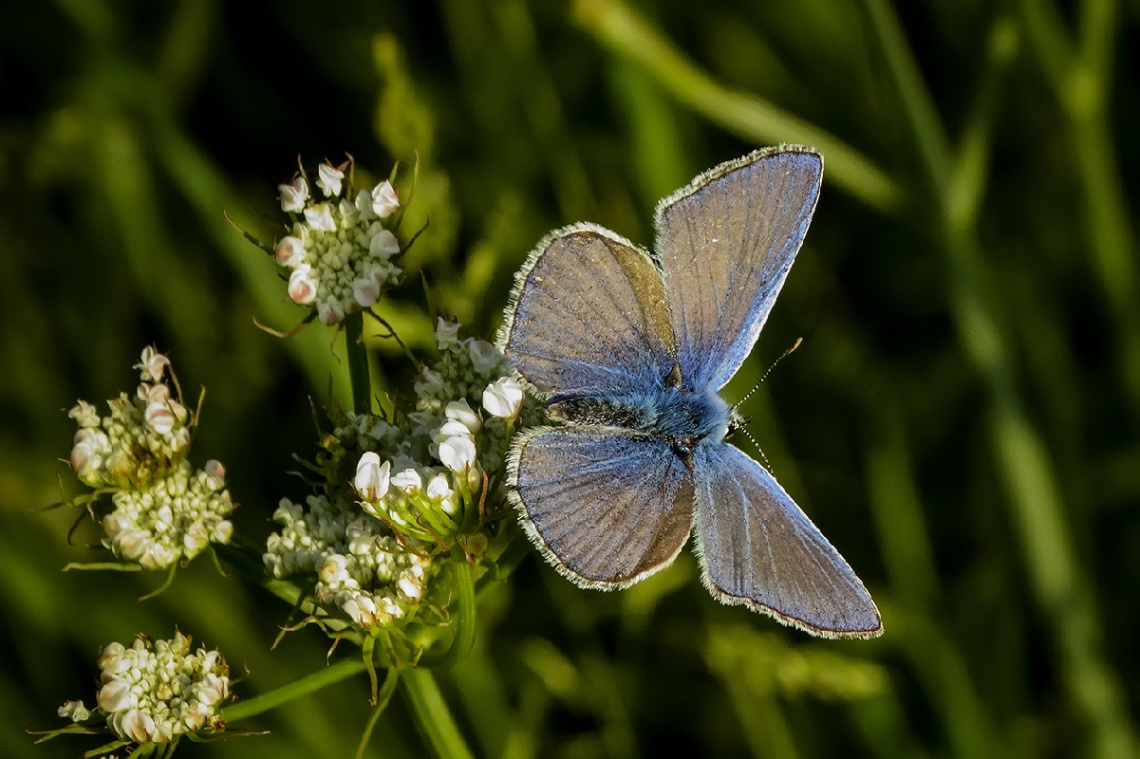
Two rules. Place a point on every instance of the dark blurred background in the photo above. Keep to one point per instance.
(961, 419)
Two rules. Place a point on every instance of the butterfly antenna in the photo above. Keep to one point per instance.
(756, 387)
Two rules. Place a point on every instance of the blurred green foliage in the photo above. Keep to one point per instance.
(961, 420)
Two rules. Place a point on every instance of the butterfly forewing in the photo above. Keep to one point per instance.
(758, 548)
(588, 316)
(726, 243)
(608, 507)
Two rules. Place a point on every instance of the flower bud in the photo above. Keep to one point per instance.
(302, 287)
(372, 477)
(384, 200)
(328, 179)
(290, 252)
(503, 398)
(294, 195)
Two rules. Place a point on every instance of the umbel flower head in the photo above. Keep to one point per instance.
(340, 247)
(157, 691)
(402, 490)
(163, 510)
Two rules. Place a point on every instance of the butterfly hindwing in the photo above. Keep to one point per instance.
(607, 507)
(758, 548)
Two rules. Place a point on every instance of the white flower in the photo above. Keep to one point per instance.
(503, 398)
(290, 252)
(408, 481)
(366, 291)
(320, 217)
(458, 452)
(153, 364)
(160, 417)
(328, 179)
(302, 286)
(438, 488)
(330, 312)
(215, 469)
(384, 200)
(484, 356)
(85, 458)
(461, 412)
(74, 711)
(446, 334)
(372, 477)
(384, 243)
(294, 195)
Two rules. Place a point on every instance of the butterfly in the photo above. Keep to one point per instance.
(628, 349)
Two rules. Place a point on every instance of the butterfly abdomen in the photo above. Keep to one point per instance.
(682, 417)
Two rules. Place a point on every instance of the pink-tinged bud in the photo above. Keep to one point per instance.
(215, 469)
(160, 417)
(484, 356)
(290, 252)
(366, 291)
(384, 200)
(302, 287)
(384, 244)
(294, 195)
(330, 312)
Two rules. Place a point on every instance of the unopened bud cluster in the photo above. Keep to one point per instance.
(339, 250)
(157, 691)
(163, 510)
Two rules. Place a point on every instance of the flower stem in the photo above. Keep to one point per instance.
(342, 670)
(432, 715)
(358, 363)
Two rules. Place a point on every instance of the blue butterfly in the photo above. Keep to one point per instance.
(629, 349)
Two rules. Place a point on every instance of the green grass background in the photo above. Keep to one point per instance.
(961, 419)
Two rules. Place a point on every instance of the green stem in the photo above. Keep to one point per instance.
(358, 363)
(342, 670)
(432, 715)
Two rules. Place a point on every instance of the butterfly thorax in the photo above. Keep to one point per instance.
(680, 416)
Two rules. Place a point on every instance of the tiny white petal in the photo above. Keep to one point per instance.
(460, 411)
(446, 334)
(408, 480)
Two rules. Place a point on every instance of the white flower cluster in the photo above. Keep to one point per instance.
(418, 474)
(173, 517)
(164, 511)
(338, 251)
(142, 436)
(422, 479)
(361, 568)
(154, 693)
